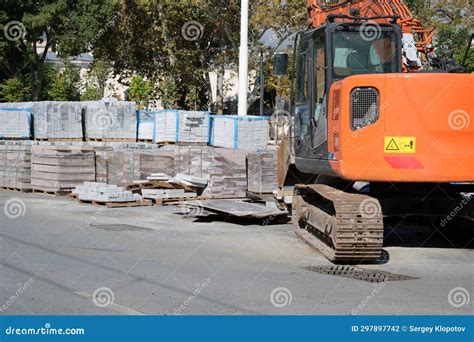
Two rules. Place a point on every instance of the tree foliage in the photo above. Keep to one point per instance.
(140, 91)
(96, 80)
(14, 90)
(176, 43)
(67, 26)
(63, 85)
(453, 20)
(173, 43)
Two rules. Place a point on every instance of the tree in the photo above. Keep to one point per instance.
(175, 43)
(140, 91)
(97, 80)
(67, 26)
(452, 20)
(64, 84)
(14, 90)
(272, 26)
(452, 43)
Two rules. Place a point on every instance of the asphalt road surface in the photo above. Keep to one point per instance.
(61, 258)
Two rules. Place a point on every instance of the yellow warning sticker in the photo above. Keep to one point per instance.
(400, 145)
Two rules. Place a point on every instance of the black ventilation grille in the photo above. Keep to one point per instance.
(364, 107)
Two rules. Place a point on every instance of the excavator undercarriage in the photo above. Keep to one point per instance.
(344, 227)
(348, 227)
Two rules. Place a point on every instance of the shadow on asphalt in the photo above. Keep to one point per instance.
(243, 221)
(415, 233)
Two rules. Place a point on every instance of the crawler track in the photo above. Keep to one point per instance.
(344, 227)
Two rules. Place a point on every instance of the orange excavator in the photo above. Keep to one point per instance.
(381, 131)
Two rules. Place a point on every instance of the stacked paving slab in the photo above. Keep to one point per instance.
(102, 192)
(61, 168)
(15, 121)
(122, 167)
(231, 131)
(15, 164)
(165, 126)
(58, 120)
(166, 194)
(224, 169)
(174, 126)
(193, 127)
(146, 125)
(110, 120)
(262, 171)
(122, 163)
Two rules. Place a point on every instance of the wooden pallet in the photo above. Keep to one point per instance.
(179, 143)
(72, 196)
(64, 140)
(159, 185)
(142, 203)
(148, 141)
(52, 192)
(14, 139)
(130, 140)
(163, 202)
(25, 190)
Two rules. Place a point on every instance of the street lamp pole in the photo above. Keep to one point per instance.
(262, 83)
(243, 58)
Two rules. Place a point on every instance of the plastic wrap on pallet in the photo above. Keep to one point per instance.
(110, 120)
(58, 120)
(146, 125)
(40, 120)
(174, 126)
(193, 127)
(166, 122)
(230, 131)
(15, 121)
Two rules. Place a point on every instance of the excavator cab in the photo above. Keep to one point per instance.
(326, 55)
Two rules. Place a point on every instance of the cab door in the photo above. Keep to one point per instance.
(310, 97)
(302, 95)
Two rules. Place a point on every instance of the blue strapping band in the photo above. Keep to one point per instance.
(236, 134)
(17, 109)
(177, 126)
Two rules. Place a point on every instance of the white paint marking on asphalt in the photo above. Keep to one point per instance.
(116, 307)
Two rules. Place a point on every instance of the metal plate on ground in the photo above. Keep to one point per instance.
(371, 276)
(238, 208)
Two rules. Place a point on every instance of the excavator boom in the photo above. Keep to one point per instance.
(417, 40)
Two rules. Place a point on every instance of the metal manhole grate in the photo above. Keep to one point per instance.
(119, 227)
(371, 276)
